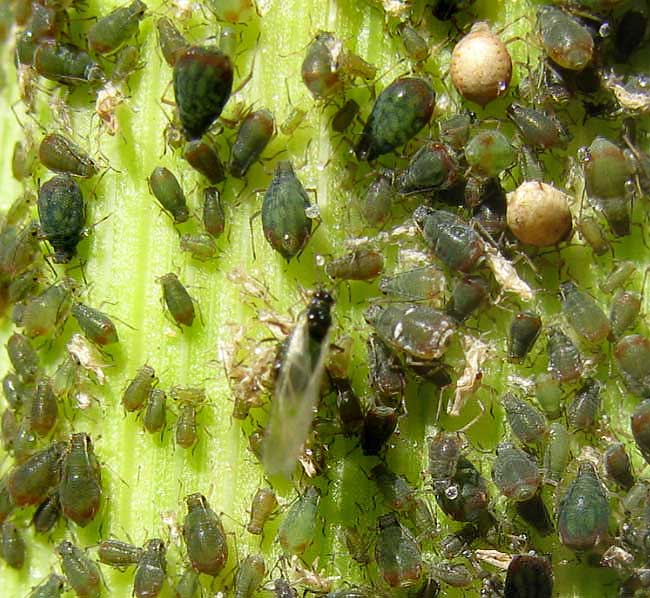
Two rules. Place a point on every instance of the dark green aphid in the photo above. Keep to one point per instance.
(455, 131)
(640, 425)
(530, 164)
(456, 575)
(205, 538)
(526, 422)
(453, 241)
(202, 85)
(386, 374)
(489, 153)
(584, 511)
(529, 576)
(253, 136)
(23, 357)
(127, 61)
(82, 573)
(548, 393)
(454, 544)
(632, 354)
(282, 589)
(298, 528)
(250, 573)
(515, 473)
(564, 361)
(96, 325)
(151, 570)
(285, 222)
(203, 157)
(12, 545)
(379, 423)
(189, 399)
(348, 404)
(465, 498)
(397, 554)
(201, 245)
(6, 502)
(167, 190)
(398, 494)
(138, 390)
(344, 116)
(62, 215)
(30, 482)
(80, 490)
(114, 29)
(9, 429)
(214, 219)
(420, 284)
(360, 264)
(624, 312)
(566, 42)
(66, 64)
(400, 112)
(468, 295)
(583, 314)
(538, 128)
(618, 466)
(379, 198)
(582, 411)
(177, 299)
(118, 554)
(188, 585)
(59, 154)
(444, 454)
(534, 512)
(155, 413)
(432, 168)
(556, 454)
(25, 285)
(43, 408)
(172, 42)
(264, 504)
(524, 330)
(47, 514)
(52, 587)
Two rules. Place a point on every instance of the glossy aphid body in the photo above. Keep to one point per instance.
(583, 410)
(583, 514)
(205, 537)
(118, 554)
(23, 357)
(114, 29)
(43, 408)
(286, 224)
(321, 71)
(345, 116)
(538, 128)
(96, 325)
(489, 153)
(202, 85)
(155, 413)
(386, 374)
(632, 355)
(136, 393)
(591, 232)
(360, 264)
(66, 64)
(583, 314)
(151, 570)
(30, 482)
(432, 168)
(178, 301)
(618, 466)
(298, 528)
(378, 200)
(444, 453)
(349, 408)
(190, 400)
(515, 472)
(171, 41)
(618, 277)
(52, 587)
(397, 553)
(201, 245)
(80, 489)
(564, 361)
(214, 219)
(624, 312)
(379, 423)
(639, 423)
(454, 544)
(188, 585)
(167, 190)
(549, 395)
(82, 573)
(250, 573)
(62, 215)
(524, 330)
(468, 295)
(12, 545)
(426, 283)
(264, 504)
(398, 494)
(399, 113)
(526, 422)
(254, 134)
(565, 41)
(60, 154)
(464, 497)
(203, 157)
(529, 576)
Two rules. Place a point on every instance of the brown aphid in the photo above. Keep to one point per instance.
(481, 66)
(263, 506)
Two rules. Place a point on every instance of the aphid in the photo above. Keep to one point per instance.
(324, 65)
(118, 554)
(96, 325)
(489, 153)
(30, 482)
(178, 301)
(201, 245)
(466, 497)
(203, 157)
(529, 576)
(345, 116)
(386, 372)
(582, 411)
(214, 219)
(524, 330)
(454, 131)
(18, 249)
(293, 120)
(43, 408)
(420, 284)
(189, 400)
(25, 442)
(52, 587)
(399, 113)
(583, 514)
(398, 494)
(250, 573)
(9, 429)
(481, 66)
(111, 31)
(62, 212)
(617, 277)
(360, 264)
(515, 472)
(6, 502)
(47, 514)
(138, 390)
(66, 64)
(632, 354)
(453, 242)
(526, 422)
(253, 136)
(202, 85)
(548, 393)
(415, 45)
(565, 41)
(468, 295)
(12, 545)
(263, 506)
(188, 585)
(356, 544)
(418, 330)
(12, 389)
(171, 41)
(432, 168)
(456, 575)
(624, 312)
(205, 538)
(583, 314)
(155, 414)
(297, 530)
(283, 589)
(534, 512)
(59, 154)
(490, 213)
(538, 128)
(167, 190)
(285, 221)
(641, 429)
(564, 361)
(444, 10)
(82, 573)
(23, 357)
(348, 404)
(297, 388)
(618, 466)
(397, 553)
(444, 454)
(151, 570)
(80, 490)
(556, 455)
(454, 544)
(379, 423)
(233, 11)
(23, 158)
(379, 198)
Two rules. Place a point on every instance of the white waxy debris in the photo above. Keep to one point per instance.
(476, 353)
(87, 356)
(506, 274)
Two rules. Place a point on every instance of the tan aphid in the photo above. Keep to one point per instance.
(538, 214)
(481, 66)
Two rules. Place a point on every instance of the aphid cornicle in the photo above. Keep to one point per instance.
(62, 215)
(397, 554)
(297, 388)
(205, 538)
(529, 576)
(167, 190)
(118, 554)
(178, 301)
(30, 482)
(632, 355)
(81, 572)
(151, 570)
(298, 528)
(138, 390)
(96, 325)
(524, 330)
(60, 154)
(263, 506)
(108, 33)
(204, 158)
(12, 545)
(285, 222)
(253, 136)
(399, 113)
(202, 85)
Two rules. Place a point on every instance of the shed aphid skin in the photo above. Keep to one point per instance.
(178, 301)
(205, 537)
(298, 528)
(167, 190)
(297, 388)
(81, 572)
